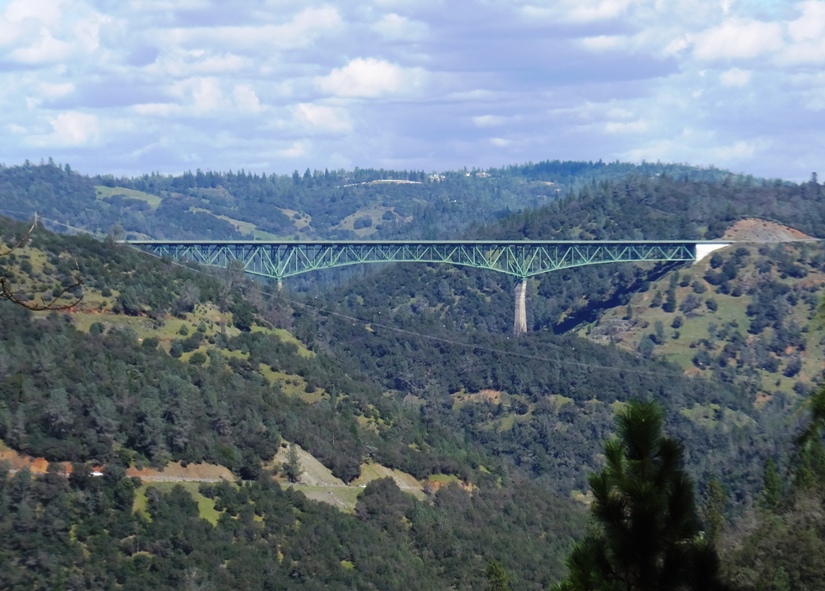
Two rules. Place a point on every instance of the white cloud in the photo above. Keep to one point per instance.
(604, 42)
(396, 27)
(54, 90)
(206, 94)
(157, 109)
(86, 31)
(738, 39)
(637, 126)
(246, 99)
(70, 129)
(735, 77)
(811, 24)
(489, 120)
(370, 78)
(178, 62)
(46, 32)
(726, 5)
(203, 97)
(23, 12)
(738, 151)
(811, 88)
(619, 113)
(155, 6)
(579, 11)
(676, 46)
(613, 78)
(45, 49)
(296, 150)
(806, 52)
(299, 32)
(323, 118)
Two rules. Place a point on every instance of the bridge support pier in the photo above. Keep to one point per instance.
(520, 322)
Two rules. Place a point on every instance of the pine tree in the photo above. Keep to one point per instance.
(292, 468)
(647, 532)
(714, 511)
(772, 488)
(497, 578)
(810, 449)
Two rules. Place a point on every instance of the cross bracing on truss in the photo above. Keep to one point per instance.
(518, 258)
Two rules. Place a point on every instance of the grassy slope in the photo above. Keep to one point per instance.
(241, 226)
(206, 506)
(102, 193)
(318, 483)
(375, 213)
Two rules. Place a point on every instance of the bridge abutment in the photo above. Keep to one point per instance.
(520, 322)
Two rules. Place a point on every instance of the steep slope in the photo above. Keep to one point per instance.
(169, 330)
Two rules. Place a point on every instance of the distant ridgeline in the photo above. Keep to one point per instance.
(347, 204)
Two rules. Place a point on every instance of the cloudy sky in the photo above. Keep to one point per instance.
(131, 86)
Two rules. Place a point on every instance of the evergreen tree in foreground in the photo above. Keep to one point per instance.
(647, 534)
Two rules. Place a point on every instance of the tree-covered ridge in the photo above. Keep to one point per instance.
(393, 397)
(545, 401)
(492, 412)
(666, 207)
(776, 546)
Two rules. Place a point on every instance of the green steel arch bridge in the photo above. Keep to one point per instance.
(520, 259)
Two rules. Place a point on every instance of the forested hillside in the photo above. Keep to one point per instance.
(161, 364)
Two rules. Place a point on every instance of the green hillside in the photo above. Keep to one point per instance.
(746, 314)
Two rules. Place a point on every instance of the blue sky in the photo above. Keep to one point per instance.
(132, 86)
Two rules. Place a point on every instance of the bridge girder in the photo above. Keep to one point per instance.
(520, 259)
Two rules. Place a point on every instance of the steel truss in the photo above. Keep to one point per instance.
(520, 259)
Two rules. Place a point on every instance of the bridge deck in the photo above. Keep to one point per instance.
(410, 242)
